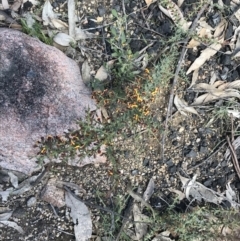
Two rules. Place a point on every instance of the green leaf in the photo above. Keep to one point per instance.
(115, 55)
(113, 31)
(114, 13)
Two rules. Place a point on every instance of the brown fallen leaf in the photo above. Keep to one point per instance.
(174, 12)
(149, 2)
(215, 95)
(232, 85)
(183, 107)
(212, 49)
(194, 77)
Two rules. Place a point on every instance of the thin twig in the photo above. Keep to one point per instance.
(234, 157)
(182, 56)
(210, 156)
(124, 11)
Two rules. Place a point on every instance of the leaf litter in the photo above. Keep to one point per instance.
(81, 217)
(175, 14)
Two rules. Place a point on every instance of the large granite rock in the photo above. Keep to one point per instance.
(41, 94)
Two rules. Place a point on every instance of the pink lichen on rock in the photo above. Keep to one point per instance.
(41, 94)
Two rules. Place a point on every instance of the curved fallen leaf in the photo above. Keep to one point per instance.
(47, 13)
(63, 39)
(59, 24)
(212, 49)
(81, 217)
(205, 55)
(13, 225)
(232, 85)
(182, 106)
(149, 2)
(174, 12)
(194, 77)
(219, 94)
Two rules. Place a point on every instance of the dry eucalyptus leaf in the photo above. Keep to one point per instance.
(212, 49)
(86, 73)
(180, 2)
(104, 113)
(71, 18)
(149, 2)
(13, 225)
(183, 107)
(63, 39)
(205, 55)
(47, 13)
(236, 145)
(231, 85)
(149, 190)
(141, 220)
(194, 77)
(163, 236)
(102, 73)
(215, 95)
(196, 191)
(59, 24)
(230, 194)
(174, 12)
(5, 194)
(203, 87)
(4, 216)
(13, 179)
(218, 83)
(213, 77)
(5, 4)
(203, 32)
(81, 217)
(25, 185)
(16, 5)
(81, 34)
(234, 113)
(180, 194)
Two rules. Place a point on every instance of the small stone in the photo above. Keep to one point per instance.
(226, 59)
(19, 212)
(224, 73)
(224, 163)
(145, 162)
(101, 11)
(203, 149)
(31, 202)
(53, 195)
(170, 163)
(191, 154)
(221, 181)
(208, 183)
(173, 169)
(175, 143)
(135, 172)
(181, 130)
(117, 8)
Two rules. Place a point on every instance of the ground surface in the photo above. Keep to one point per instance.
(193, 144)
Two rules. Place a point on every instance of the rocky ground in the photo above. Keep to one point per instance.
(150, 144)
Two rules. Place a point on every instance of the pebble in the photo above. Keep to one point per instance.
(135, 172)
(101, 11)
(192, 154)
(145, 162)
(208, 183)
(203, 149)
(175, 143)
(19, 212)
(173, 169)
(31, 202)
(170, 163)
